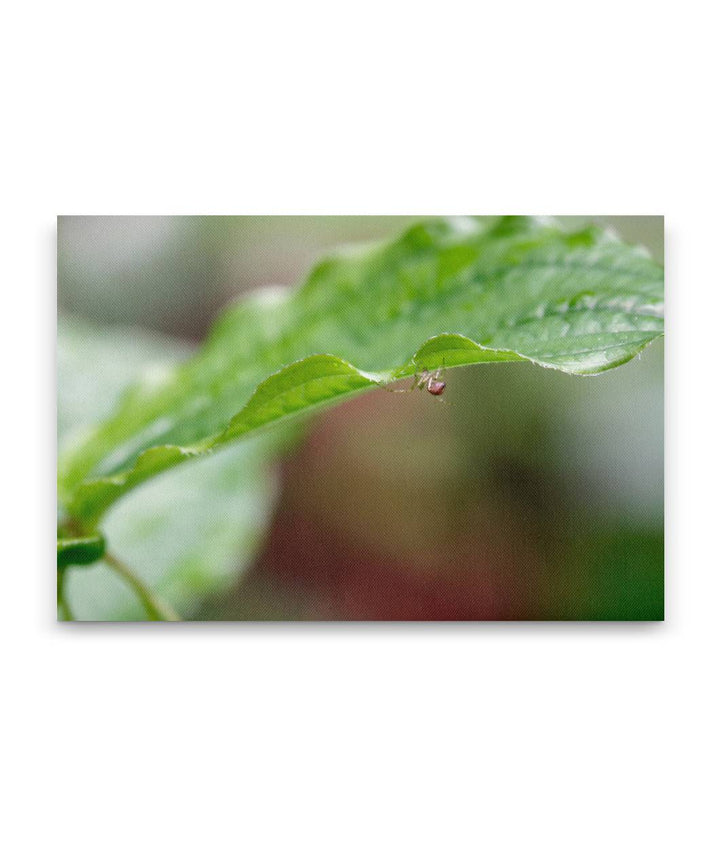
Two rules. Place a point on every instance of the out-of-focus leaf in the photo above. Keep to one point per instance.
(448, 292)
(96, 364)
(187, 534)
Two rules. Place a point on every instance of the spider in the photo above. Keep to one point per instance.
(429, 380)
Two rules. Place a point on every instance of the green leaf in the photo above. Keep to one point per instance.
(79, 551)
(96, 364)
(448, 292)
(186, 535)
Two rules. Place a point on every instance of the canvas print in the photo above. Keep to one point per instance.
(360, 418)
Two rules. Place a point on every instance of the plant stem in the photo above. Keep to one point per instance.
(62, 602)
(156, 609)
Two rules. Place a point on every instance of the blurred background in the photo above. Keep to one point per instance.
(523, 494)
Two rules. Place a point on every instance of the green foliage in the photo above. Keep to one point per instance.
(186, 534)
(448, 292)
(79, 551)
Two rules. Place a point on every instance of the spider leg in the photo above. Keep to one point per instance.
(388, 388)
(410, 388)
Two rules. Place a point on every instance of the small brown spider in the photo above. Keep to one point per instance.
(429, 380)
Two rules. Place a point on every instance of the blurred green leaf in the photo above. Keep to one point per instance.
(448, 292)
(186, 535)
(96, 364)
